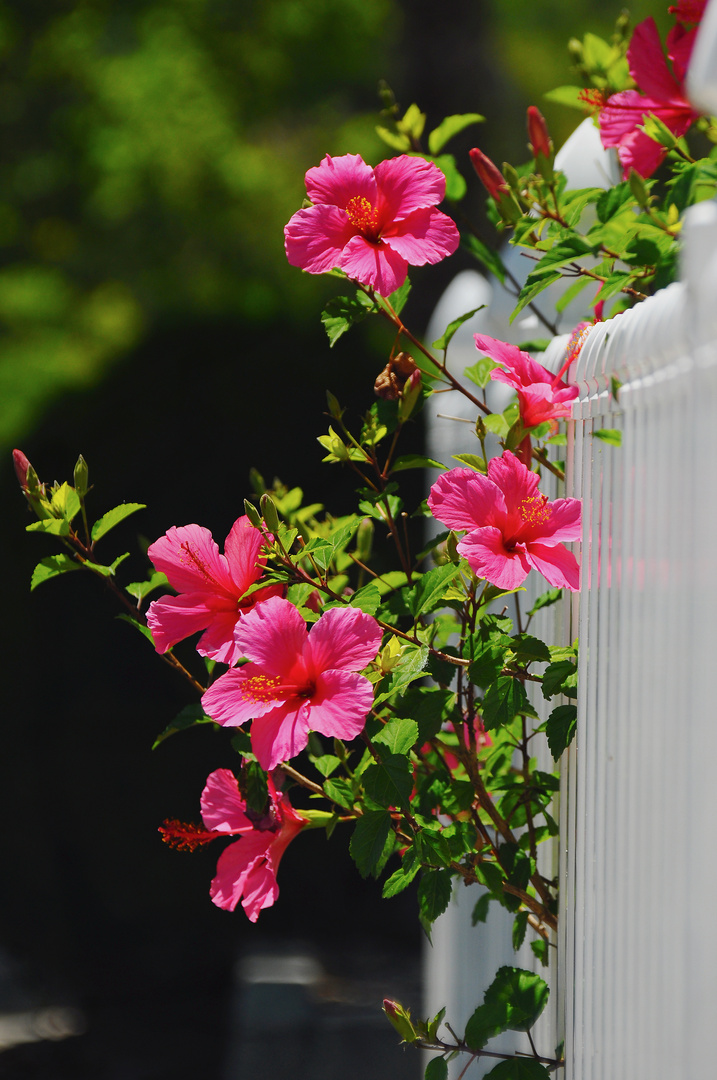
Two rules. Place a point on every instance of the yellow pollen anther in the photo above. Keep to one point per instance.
(261, 688)
(535, 510)
(362, 215)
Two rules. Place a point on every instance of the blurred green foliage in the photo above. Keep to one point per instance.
(153, 152)
(154, 149)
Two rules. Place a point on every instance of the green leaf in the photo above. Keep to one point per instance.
(532, 288)
(520, 924)
(485, 255)
(434, 894)
(545, 600)
(560, 728)
(140, 589)
(443, 342)
(343, 312)
(430, 589)
(399, 735)
(479, 373)
(473, 461)
(370, 840)
(612, 201)
(398, 299)
(452, 125)
(326, 764)
(566, 95)
(436, 1069)
(341, 792)
(112, 518)
(65, 501)
(560, 678)
(480, 910)
(51, 567)
(106, 571)
(505, 699)
(144, 630)
(190, 716)
(389, 783)
(367, 599)
(400, 879)
(612, 436)
(518, 1068)
(416, 461)
(456, 186)
(396, 140)
(522, 994)
(529, 649)
(51, 526)
(541, 950)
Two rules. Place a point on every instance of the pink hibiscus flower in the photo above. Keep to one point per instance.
(247, 868)
(541, 395)
(210, 587)
(663, 94)
(511, 527)
(371, 223)
(296, 680)
(689, 12)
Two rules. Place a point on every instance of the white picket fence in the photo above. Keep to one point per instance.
(634, 989)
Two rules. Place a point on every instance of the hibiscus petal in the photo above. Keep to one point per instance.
(281, 734)
(241, 549)
(564, 523)
(315, 238)
(190, 558)
(340, 704)
(272, 634)
(343, 638)
(374, 265)
(425, 236)
(488, 558)
(173, 618)
(648, 65)
(463, 499)
(234, 864)
(641, 153)
(233, 699)
(218, 640)
(519, 486)
(222, 805)
(406, 184)
(680, 43)
(260, 888)
(558, 565)
(337, 180)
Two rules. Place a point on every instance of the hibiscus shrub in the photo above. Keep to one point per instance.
(401, 703)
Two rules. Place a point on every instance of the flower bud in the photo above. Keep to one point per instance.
(401, 1019)
(540, 141)
(269, 513)
(489, 174)
(253, 514)
(410, 396)
(81, 477)
(22, 466)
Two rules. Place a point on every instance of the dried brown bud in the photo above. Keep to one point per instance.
(390, 383)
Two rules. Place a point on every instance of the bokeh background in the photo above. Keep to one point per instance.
(152, 151)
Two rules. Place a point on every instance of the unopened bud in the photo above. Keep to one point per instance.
(22, 466)
(81, 476)
(540, 141)
(410, 396)
(489, 174)
(401, 1019)
(269, 513)
(253, 514)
